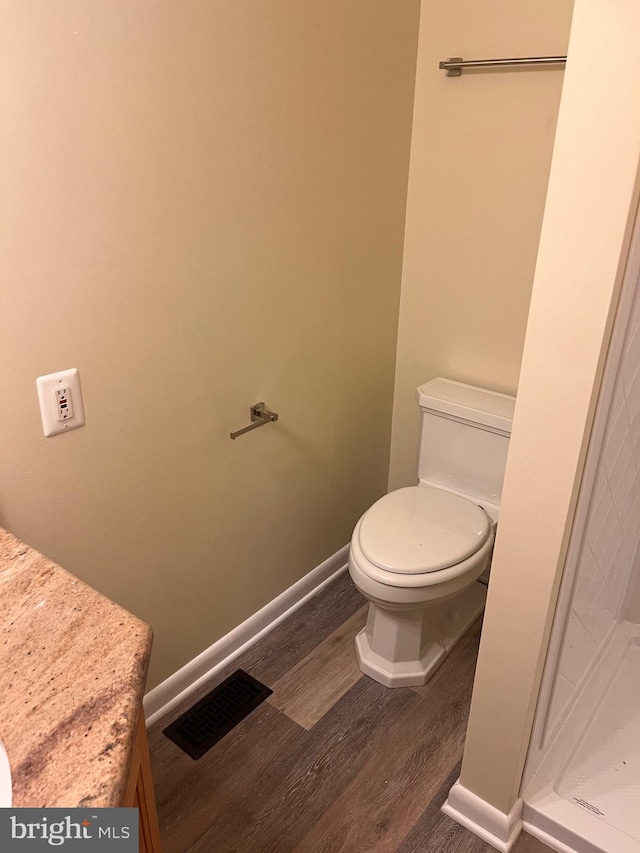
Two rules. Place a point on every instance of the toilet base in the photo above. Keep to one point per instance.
(404, 647)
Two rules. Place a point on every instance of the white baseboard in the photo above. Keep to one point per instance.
(498, 829)
(164, 698)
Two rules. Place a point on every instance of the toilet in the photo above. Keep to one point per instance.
(421, 554)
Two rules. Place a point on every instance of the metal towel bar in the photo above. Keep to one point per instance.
(454, 65)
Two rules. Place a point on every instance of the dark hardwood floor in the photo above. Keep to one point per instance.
(332, 761)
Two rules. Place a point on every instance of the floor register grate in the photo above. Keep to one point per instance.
(210, 719)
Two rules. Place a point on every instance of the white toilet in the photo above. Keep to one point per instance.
(417, 554)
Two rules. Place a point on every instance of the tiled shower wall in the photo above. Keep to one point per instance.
(606, 585)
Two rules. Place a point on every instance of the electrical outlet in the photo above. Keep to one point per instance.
(60, 398)
(64, 406)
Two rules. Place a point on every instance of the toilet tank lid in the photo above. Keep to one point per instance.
(478, 405)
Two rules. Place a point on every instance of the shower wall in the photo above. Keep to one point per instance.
(602, 581)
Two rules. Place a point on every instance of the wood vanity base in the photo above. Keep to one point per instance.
(139, 793)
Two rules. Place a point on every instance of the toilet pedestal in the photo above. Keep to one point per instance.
(403, 648)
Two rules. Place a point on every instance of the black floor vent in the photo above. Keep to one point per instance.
(199, 728)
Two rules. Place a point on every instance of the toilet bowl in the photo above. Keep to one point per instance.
(417, 553)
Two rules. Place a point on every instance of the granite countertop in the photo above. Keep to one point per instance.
(72, 672)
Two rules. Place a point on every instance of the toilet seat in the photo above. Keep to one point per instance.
(394, 548)
(421, 529)
(473, 564)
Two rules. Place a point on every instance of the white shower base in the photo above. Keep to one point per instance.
(591, 803)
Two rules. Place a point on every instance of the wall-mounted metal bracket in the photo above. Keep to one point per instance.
(452, 66)
(260, 416)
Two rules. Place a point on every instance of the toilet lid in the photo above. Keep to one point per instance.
(420, 529)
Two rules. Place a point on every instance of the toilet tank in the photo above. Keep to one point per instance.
(464, 439)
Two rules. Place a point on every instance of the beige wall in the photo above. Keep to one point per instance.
(202, 207)
(583, 247)
(480, 159)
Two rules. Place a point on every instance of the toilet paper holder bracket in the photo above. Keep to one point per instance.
(260, 416)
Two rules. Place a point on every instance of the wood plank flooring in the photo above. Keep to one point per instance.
(311, 687)
(333, 762)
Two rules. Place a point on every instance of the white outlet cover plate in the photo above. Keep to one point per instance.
(47, 386)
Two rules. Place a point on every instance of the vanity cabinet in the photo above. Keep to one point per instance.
(139, 791)
(80, 645)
